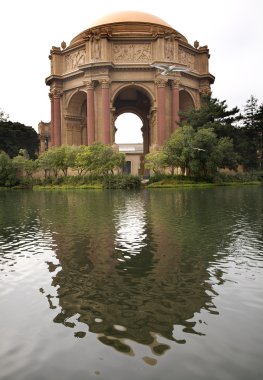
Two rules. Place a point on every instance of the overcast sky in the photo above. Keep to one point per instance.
(232, 29)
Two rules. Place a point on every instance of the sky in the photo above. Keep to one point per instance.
(232, 29)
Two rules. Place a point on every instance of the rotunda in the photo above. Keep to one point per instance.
(125, 62)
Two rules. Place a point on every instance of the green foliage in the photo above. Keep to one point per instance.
(245, 177)
(244, 130)
(83, 159)
(3, 116)
(251, 134)
(199, 152)
(110, 181)
(7, 171)
(23, 163)
(178, 149)
(212, 114)
(94, 159)
(103, 159)
(16, 136)
(155, 161)
(250, 113)
(125, 182)
(45, 162)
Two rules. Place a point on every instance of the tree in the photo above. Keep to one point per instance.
(252, 129)
(155, 161)
(45, 162)
(178, 149)
(15, 136)
(23, 163)
(7, 170)
(117, 161)
(212, 114)
(56, 158)
(250, 113)
(239, 128)
(3, 116)
(199, 152)
(259, 128)
(97, 158)
(83, 160)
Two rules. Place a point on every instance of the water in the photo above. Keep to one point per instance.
(161, 284)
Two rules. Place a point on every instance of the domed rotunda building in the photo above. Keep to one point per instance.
(124, 62)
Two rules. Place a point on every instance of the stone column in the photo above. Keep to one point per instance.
(52, 119)
(175, 106)
(161, 127)
(57, 118)
(153, 129)
(90, 113)
(112, 125)
(105, 95)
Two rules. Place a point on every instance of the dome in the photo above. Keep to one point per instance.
(129, 16)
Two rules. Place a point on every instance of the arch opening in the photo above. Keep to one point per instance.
(185, 101)
(76, 119)
(132, 106)
(128, 129)
(135, 100)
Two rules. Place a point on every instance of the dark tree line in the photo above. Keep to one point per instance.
(16, 136)
(245, 129)
(211, 138)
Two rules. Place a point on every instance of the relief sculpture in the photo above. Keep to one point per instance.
(73, 60)
(186, 59)
(169, 47)
(96, 49)
(132, 52)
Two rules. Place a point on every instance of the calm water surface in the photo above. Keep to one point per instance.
(162, 284)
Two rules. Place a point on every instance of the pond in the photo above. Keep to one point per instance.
(154, 284)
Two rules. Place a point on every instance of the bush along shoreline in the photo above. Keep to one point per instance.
(220, 179)
(117, 181)
(131, 182)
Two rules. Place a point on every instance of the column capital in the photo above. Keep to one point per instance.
(161, 82)
(89, 84)
(205, 90)
(56, 93)
(176, 83)
(105, 83)
(51, 96)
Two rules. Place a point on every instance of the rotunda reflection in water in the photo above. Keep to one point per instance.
(130, 222)
(120, 276)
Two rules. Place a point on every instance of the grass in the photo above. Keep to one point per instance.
(67, 187)
(192, 184)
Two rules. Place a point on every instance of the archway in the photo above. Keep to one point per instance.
(185, 101)
(76, 119)
(128, 129)
(135, 100)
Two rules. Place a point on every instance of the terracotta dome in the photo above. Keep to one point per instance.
(127, 18)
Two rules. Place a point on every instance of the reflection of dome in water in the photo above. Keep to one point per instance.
(130, 19)
(130, 230)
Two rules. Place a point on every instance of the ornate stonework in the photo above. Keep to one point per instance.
(75, 59)
(169, 47)
(132, 52)
(110, 69)
(95, 46)
(186, 58)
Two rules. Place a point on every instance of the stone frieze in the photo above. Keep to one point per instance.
(132, 52)
(75, 59)
(186, 58)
